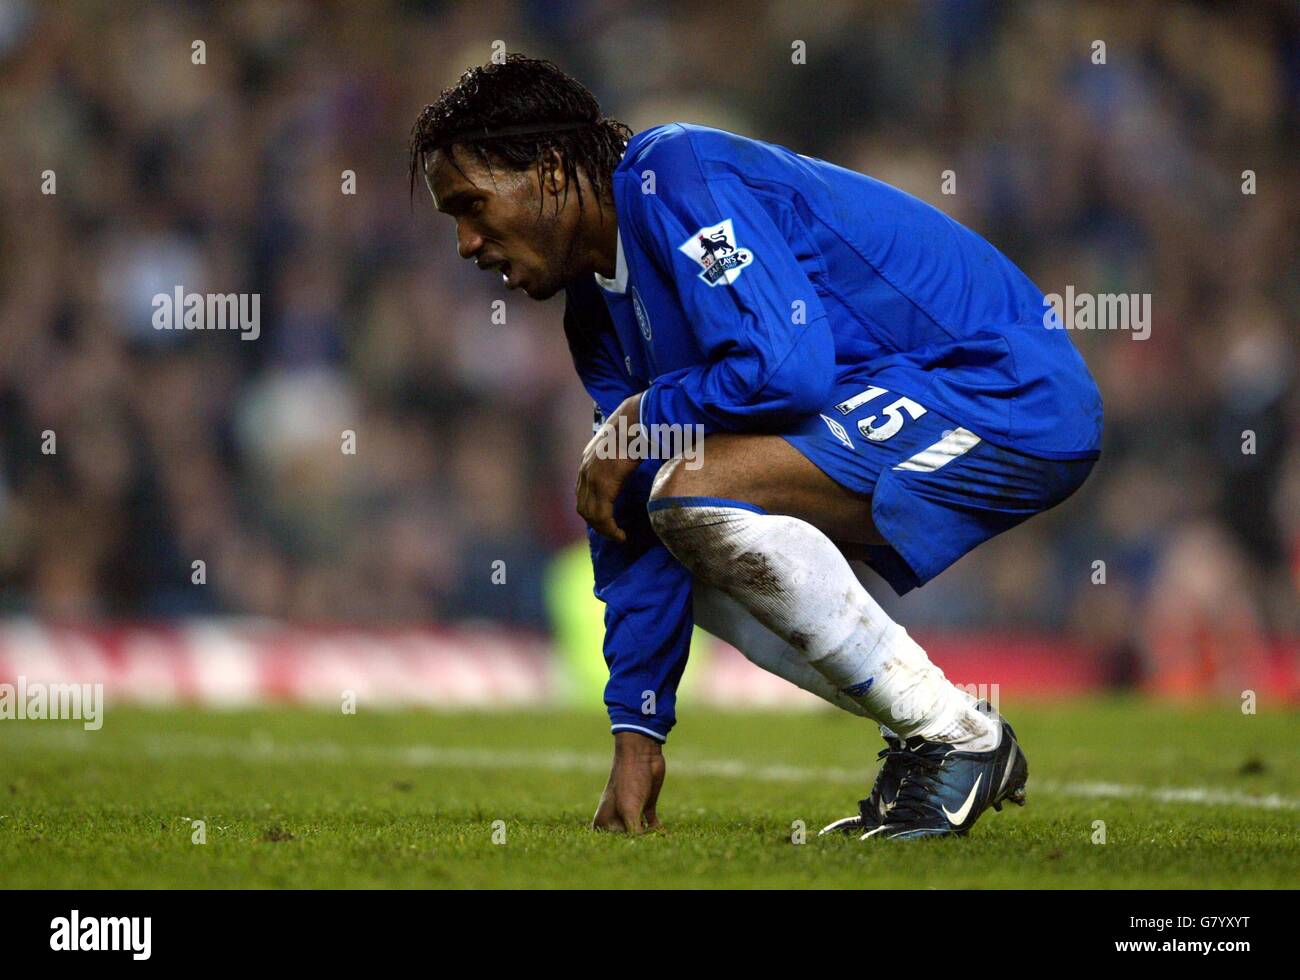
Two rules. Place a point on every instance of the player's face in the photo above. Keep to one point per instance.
(505, 222)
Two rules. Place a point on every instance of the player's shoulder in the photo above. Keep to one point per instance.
(678, 144)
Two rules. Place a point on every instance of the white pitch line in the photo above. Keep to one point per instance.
(442, 757)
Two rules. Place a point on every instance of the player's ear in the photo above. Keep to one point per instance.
(554, 179)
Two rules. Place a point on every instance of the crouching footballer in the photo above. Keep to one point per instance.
(876, 387)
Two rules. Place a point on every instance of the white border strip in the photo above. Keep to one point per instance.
(624, 727)
(942, 453)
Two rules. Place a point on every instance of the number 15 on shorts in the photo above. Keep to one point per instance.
(893, 413)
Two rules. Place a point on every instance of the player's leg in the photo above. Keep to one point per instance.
(753, 521)
(789, 576)
(724, 617)
(911, 491)
(727, 619)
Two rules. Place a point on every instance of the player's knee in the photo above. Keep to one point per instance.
(689, 507)
(717, 470)
(674, 479)
(692, 535)
(703, 536)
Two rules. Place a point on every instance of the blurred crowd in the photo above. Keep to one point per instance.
(171, 447)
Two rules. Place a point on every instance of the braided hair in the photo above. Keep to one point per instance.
(514, 112)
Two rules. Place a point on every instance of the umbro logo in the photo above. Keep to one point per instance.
(838, 431)
(859, 689)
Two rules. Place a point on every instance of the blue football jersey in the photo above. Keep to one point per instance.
(751, 283)
(752, 280)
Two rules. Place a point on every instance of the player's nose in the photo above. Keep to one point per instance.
(468, 242)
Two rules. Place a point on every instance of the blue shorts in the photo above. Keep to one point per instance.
(937, 490)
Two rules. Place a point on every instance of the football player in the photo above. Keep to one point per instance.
(876, 386)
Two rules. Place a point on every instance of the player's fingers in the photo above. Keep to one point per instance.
(652, 801)
(604, 523)
(601, 515)
(597, 509)
(609, 529)
(610, 825)
(607, 817)
(631, 814)
(581, 493)
(651, 811)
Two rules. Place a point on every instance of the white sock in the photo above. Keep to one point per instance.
(728, 620)
(722, 616)
(798, 584)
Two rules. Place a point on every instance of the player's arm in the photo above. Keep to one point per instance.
(648, 623)
(594, 347)
(647, 596)
(770, 355)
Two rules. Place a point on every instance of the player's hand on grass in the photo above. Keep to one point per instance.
(637, 775)
(601, 479)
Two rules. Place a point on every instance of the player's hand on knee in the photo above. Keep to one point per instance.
(631, 796)
(596, 495)
(604, 470)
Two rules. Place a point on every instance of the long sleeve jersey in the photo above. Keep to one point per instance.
(750, 281)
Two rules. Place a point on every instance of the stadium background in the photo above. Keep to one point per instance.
(375, 570)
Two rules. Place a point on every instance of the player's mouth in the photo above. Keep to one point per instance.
(503, 267)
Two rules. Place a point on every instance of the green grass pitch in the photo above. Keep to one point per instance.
(1204, 797)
